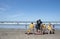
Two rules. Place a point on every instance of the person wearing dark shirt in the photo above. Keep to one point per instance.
(38, 25)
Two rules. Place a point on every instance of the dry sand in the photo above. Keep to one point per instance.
(20, 34)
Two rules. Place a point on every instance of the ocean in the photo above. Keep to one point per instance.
(22, 26)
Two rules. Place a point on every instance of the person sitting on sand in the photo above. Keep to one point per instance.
(49, 28)
(31, 28)
(38, 27)
(53, 29)
(43, 28)
(28, 31)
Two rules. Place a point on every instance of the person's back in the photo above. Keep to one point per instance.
(31, 26)
(53, 29)
(49, 27)
(39, 22)
(44, 26)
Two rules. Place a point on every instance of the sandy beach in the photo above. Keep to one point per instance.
(20, 34)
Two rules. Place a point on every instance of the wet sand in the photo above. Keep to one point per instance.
(20, 34)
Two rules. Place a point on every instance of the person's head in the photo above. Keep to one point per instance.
(31, 22)
(39, 19)
(43, 24)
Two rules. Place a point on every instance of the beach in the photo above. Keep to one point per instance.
(20, 34)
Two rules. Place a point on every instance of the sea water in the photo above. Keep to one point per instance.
(19, 26)
(14, 26)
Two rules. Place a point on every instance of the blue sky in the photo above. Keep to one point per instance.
(29, 10)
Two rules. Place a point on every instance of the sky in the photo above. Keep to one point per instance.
(29, 10)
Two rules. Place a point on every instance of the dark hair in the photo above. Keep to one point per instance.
(31, 22)
(39, 19)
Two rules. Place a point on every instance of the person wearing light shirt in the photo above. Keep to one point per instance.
(31, 28)
(49, 28)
